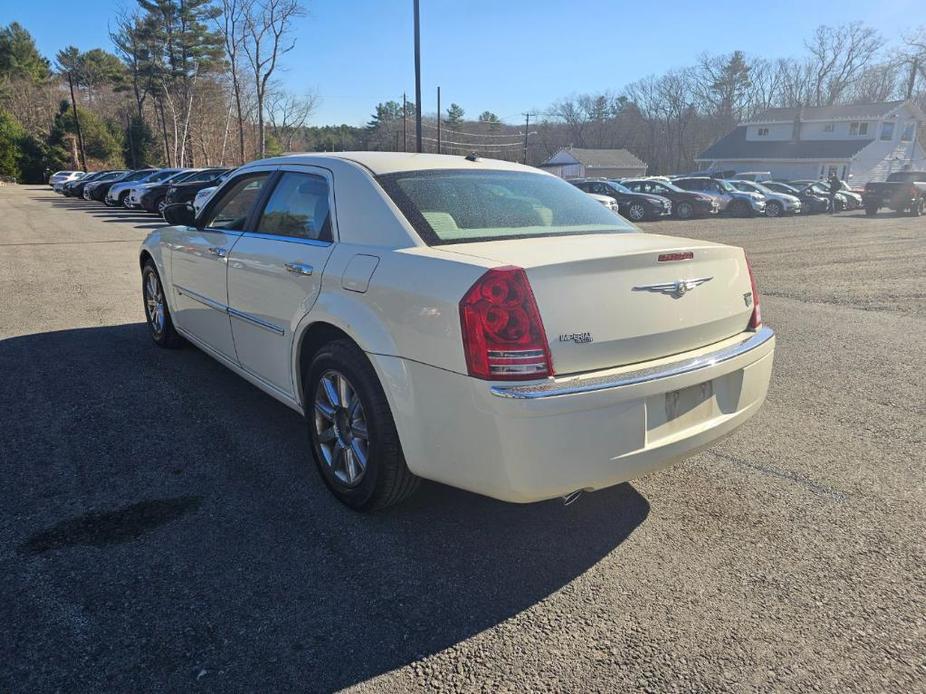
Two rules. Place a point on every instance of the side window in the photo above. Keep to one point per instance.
(232, 210)
(298, 207)
(599, 188)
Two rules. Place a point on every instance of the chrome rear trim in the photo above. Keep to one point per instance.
(550, 389)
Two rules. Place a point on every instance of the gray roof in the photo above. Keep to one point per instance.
(736, 146)
(602, 158)
(844, 112)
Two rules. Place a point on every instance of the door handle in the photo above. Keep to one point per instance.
(217, 251)
(299, 268)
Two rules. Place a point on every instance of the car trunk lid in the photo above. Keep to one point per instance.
(608, 300)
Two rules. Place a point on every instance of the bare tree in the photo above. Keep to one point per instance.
(267, 26)
(288, 113)
(233, 34)
(838, 55)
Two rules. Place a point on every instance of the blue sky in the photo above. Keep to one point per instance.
(506, 56)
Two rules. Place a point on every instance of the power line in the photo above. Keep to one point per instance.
(460, 132)
(476, 144)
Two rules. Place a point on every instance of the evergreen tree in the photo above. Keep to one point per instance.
(454, 116)
(19, 58)
(11, 133)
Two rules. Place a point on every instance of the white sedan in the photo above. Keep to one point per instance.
(474, 322)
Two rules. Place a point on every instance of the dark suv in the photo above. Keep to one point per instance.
(685, 204)
(634, 206)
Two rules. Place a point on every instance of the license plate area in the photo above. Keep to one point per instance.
(678, 410)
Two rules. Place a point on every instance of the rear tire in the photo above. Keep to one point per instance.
(160, 323)
(361, 462)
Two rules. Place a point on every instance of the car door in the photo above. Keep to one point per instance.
(275, 272)
(198, 263)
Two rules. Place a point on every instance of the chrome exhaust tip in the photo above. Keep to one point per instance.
(572, 497)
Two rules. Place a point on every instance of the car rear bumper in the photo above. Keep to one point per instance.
(524, 443)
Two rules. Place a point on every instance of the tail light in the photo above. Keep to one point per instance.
(755, 320)
(503, 336)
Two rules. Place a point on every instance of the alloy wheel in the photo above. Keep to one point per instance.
(636, 212)
(154, 302)
(773, 209)
(341, 428)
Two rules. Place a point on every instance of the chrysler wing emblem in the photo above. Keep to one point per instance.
(676, 289)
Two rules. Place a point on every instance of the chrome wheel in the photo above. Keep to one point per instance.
(341, 428)
(773, 209)
(154, 303)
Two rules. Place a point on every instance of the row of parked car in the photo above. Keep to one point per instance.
(148, 189)
(688, 197)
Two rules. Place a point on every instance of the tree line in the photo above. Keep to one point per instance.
(194, 83)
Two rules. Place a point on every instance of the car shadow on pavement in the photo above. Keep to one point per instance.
(163, 522)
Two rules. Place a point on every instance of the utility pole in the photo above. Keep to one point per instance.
(404, 123)
(527, 125)
(80, 137)
(417, 80)
(438, 120)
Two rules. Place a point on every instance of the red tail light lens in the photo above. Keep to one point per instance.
(503, 336)
(755, 320)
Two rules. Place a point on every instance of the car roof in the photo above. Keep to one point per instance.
(380, 163)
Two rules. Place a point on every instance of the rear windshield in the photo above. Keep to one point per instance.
(449, 206)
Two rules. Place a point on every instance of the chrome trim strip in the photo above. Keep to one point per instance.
(234, 313)
(254, 320)
(550, 389)
(290, 239)
(205, 301)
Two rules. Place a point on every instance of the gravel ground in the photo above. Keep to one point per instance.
(163, 530)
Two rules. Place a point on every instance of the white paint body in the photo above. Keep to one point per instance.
(398, 299)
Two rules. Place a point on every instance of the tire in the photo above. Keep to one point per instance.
(684, 210)
(159, 206)
(774, 209)
(336, 432)
(740, 208)
(157, 313)
(636, 212)
(871, 210)
(916, 209)
(123, 197)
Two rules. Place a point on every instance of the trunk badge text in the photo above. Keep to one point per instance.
(578, 338)
(676, 289)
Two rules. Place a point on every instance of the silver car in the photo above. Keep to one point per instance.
(776, 204)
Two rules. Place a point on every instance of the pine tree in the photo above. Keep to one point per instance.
(454, 116)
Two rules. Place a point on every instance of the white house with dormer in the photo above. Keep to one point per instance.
(858, 142)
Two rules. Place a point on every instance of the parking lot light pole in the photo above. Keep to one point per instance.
(417, 81)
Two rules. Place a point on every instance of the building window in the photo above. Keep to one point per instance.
(887, 130)
(829, 127)
(858, 128)
(763, 132)
(908, 130)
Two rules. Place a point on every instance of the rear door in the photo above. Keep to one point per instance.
(275, 271)
(198, 263)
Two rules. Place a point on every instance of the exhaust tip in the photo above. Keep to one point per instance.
(572, 497)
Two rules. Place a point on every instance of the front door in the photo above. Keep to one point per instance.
(198, 264)
(275, 272)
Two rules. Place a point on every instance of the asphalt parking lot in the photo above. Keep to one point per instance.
(162, 528)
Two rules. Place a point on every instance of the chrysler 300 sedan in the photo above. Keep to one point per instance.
(474, 322)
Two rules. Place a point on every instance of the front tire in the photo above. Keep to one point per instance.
(684, 210)
(740, 208)
(160, 205)
(160, 323)
(353, 435)
(871, 210)
(636, 212)
(774, 209)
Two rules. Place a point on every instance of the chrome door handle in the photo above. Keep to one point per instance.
(220, 252)
(299, 268)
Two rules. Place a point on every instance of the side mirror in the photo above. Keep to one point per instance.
(180, 213)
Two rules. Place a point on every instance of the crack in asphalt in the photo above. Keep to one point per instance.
(771, 471)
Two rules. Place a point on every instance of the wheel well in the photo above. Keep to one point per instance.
(314, 338)
(144, 258)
